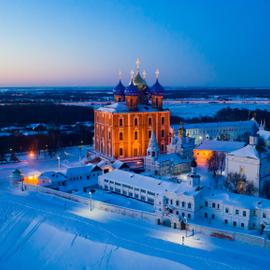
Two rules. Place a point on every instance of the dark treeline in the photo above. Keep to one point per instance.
(43, 113)
(228, 114)
(48, 142)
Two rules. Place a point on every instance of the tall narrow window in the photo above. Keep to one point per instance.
(121, 151)
(121, 136)
(149, 134)
(162, 148)
(162, 120)
(120, 122)
(135, 135)
(136, 122)
(162, 133)
(150, 121)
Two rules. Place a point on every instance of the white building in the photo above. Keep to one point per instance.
(164, 164)
(250, 162)
(176, 207)
(235, 210)
(134, 185)
(231, 131)
(83, 178)
(52, 179)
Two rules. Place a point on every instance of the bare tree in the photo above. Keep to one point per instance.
(237, 183)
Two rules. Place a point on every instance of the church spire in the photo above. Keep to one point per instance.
(153, 149)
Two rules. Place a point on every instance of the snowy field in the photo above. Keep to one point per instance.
(208, 109)
(44, 232)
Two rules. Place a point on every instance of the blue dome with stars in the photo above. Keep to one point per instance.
(132, 90)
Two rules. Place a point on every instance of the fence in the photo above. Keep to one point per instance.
(211, 231)
(232, 235)
(95, 204)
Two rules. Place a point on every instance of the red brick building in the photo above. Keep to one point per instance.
(123, 129)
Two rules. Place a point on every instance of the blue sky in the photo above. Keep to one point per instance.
(77, 42)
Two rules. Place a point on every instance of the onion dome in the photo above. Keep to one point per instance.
(119, 89)
(132, 90)
(157, 89)
(139, 81)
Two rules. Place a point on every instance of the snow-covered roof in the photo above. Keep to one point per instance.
(122, 107)
(220, 146)
(265, 134)
(248, 151)
(146, 182)
(53, 176)
(172, 157)
(118, 164)
(83, 170)
(238, 200)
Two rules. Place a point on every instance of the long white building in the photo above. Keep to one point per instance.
(229, 131)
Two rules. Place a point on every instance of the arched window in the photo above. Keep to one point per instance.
(136, 122)
(162, 133)
(162, 120)
(121, 136)
(120, 122)
(135, 152)
(149, 134)
(150, 121)
(121, 151)
(135, 135)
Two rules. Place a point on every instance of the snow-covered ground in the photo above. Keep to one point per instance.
(203, 109)
(44, 232)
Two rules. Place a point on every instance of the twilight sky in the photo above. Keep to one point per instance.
(85, 42)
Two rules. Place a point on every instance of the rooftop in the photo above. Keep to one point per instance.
(248, 151)
(220, 146)
(238, 200)
(248, 123)
(146, 182)
(121, 107)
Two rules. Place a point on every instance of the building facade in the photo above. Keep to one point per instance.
(123, 129)
(225, 131)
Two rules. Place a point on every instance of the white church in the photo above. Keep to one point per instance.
(177, 159)
(252, 161)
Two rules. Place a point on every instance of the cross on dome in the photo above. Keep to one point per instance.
(120, 75)
(138, 63)
(157, 73)
(131, 75)
(144, 74)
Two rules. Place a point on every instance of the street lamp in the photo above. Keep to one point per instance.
(59, 162)
(90, 201)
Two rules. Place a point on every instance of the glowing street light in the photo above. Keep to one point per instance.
(31, 154)
(59, 162)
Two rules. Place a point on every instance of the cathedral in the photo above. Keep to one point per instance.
(123, 129)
